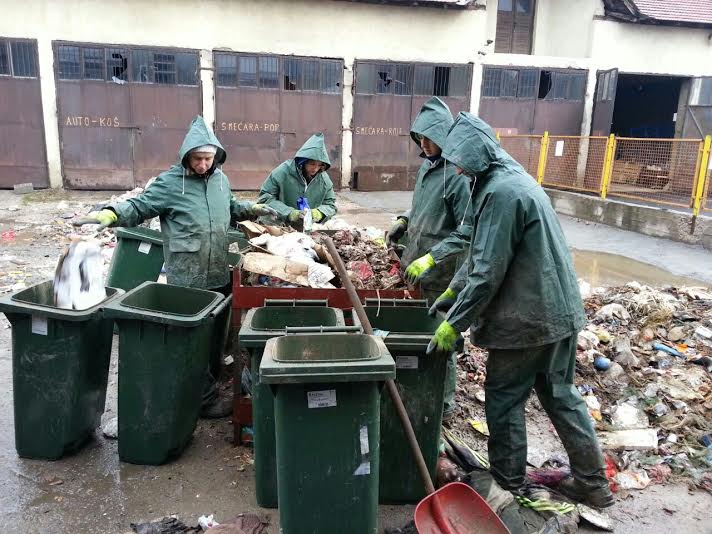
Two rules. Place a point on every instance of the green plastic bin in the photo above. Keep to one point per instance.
(60, 367)
(327, 410)
(138, 257)
(421, 381)
(165, 334)
(260, 325)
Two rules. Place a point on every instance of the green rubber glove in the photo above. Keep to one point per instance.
(445, 339)
(262, 209)
(103, 218)
(316, 215)
(397, 231)
(419, 268)
(443, 303)
(295, 215)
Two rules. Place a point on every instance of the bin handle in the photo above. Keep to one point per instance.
(413, 303)
(220, 307)
(320, 329)
(296, 302)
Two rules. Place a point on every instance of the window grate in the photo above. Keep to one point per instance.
(4, 58)
(268, 72)
(226, 67)
(247, 73)
(330, 77)
(68, 58)
(93, 63)
(187, 68)
(292, 71)
(24, 59)
(164, 68)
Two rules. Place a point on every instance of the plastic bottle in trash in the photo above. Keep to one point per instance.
(303, 205)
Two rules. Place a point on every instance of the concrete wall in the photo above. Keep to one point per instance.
(656, 222)
(301, 27)
(563, 27)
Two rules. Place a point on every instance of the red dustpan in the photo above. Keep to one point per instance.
(453, 509)
(457, 509)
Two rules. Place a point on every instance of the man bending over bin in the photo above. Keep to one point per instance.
(195, 206)
(519, 296)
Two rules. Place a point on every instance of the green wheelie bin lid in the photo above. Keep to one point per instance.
(310, 358)
(138, 257)
(166, 334)
(60, 370)
(420, 377)
(259, 325)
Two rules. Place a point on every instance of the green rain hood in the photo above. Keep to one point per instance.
(195, 215)
(437, 221)
(285, 184)
(518, 288)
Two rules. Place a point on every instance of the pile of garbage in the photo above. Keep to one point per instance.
(282, 257)
(644, 369)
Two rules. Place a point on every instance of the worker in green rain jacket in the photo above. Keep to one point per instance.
(195, 206)
(303, 176)
(437, 223)
(519, 296)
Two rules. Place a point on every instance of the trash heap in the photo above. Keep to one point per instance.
(282, 257)
(644, 369)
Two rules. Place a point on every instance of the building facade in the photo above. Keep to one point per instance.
(98, 95)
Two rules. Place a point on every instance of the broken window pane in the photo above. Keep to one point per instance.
(68, 59)
(142, 66)
(292, 69)
(226, 68)
(247, 74)
(93, 63)
(187, 68)
(4, 58)
(401, 80)
(117, 64)
(330, 77)
(269, 72)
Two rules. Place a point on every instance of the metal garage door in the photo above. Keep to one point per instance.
(123, 111)
(388, 97)
(267, 106)
(22, 145)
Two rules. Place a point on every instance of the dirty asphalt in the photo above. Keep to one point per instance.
(93, 492)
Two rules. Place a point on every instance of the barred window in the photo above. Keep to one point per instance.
(384, 79)
(93, 63)
(268, 72)
(68, 58)
(247, 72)
(441, 80)
(187, 68)
(4, 58)
(226, 69)
(117, 64)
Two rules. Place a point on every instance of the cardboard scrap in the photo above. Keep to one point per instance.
(282, 268)
(639, 439)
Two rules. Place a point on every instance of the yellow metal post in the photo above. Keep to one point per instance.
(543, 151)
(704, 163)
(608, 165)
(499, 138)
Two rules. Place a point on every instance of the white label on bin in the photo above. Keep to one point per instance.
(363, 469)
(363, 438)
(144, 248)
(406, 362)
(39, 325)
(321, 399)
(559, 150)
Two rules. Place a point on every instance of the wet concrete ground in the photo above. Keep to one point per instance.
(92, 491)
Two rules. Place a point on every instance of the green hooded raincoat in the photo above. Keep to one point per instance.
(195, 215)
(437, 221)
(285, 184)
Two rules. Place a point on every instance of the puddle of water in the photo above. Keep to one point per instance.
(604, 269)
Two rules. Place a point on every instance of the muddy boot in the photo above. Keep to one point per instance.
(600, 497)
(220, 407)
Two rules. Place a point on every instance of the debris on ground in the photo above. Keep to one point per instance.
(167, 525)
(643, 367)
(242, 524)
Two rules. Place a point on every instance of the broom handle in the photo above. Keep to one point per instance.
(390, 385)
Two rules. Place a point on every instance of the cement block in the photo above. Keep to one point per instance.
(23, 189)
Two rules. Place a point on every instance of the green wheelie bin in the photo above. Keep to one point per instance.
(138, 257)
(407, 329)
(260, 325)
(165, 335)
(327, 391)
(60, 368)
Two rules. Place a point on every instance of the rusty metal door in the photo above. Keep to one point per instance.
(22, 146)
(122, 111)
(509, 99)
(388, 97)
(604, 102)
(697, 119)
(559, 106)
(268, 106)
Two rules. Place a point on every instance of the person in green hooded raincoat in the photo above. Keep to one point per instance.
(437, 223)
(519, 296)
(195, 206)
(303, 176)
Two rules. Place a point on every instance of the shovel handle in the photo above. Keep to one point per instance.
(320, 329)
(390, 385)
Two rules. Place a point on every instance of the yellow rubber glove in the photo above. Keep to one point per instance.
(443, 303)
(103, 218)
(445, 339)
(419, 268)
(262, 209)
(295, 215)
(316, 215)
